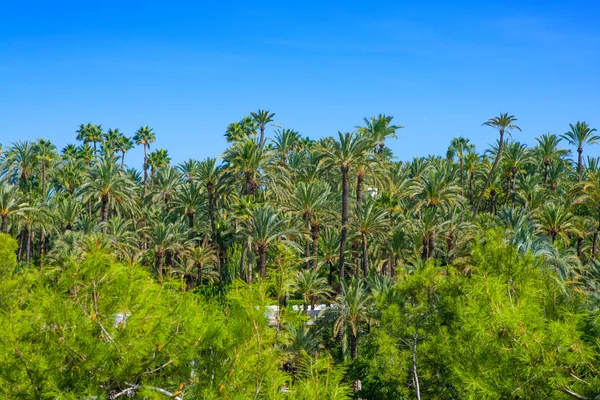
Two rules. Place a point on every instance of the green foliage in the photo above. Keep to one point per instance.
(8, 255)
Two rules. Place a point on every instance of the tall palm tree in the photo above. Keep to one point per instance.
(262, 117)
(21, 161)
(46, 153)
(90, 133)
(202, 257)
(378, 129)
(264, 226)
(164, 237)
(342, 154)
(515, 160)
(353, 306)
(158, 158)
(187, 201)
(123, 144)
(311, 286)
(504, 123)
(11, 203)
(556, 221)
(370, 222)
(580, 135)
(588, 192)
(309, 202)
(246, 158)
(547, 151)
(210, 174)
(145, 136)
(459, 147)
(108, 183)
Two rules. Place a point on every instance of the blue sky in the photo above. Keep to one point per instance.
(440, 68)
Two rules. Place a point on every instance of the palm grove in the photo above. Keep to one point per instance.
(473, 275)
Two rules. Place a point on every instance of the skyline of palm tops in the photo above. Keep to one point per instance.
(87, 188)
(395, 246)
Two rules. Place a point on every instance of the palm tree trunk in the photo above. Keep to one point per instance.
(122, 158)
(43, 179)
(494, 194)
(470, 189)
(4, 223)
(344, 235)
(307, 244)
(262, 260)
(21, 244)
(365, 256)
(104, 217)
(546, 171)
(29, 240)
(580, 247)
(353, 346)
(595, 241)
(262, 136)
(431, 246)
(360, 177)
(145, 167)
(159, 264)
(460, 170)
(190, 216)
(199, 281)
(42, 248)
(249, 189)
(579, 162)
(315, 239)
(506, 196)
(242, 264)
(489, 178)
(250, 261)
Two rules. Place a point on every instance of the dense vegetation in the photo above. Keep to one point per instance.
(473, 275)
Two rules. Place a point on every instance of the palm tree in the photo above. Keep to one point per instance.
(20, 161)
(69, 152)
(556, 221)
(246, 158)
(110, 141)
(516, 158)
(165, 236)
(378, 129)
(209, 174)
(370, 222)
(202, 257)
(343, 154)
(432, 190)
(262, 117)
(264, 226)
(187, 201)
(11, 203)
(547, 150)
(588, 192)
(46, 152)
(353, 306)
(108, 183)
(309, 202)
(145, 136)
(123, 144)
(460, 147)
(311, 286)
(580, 136)
(90, 133)
(504, 123)
(158, 158)
(189, 169)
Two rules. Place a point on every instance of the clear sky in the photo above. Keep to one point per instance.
(441, 68)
